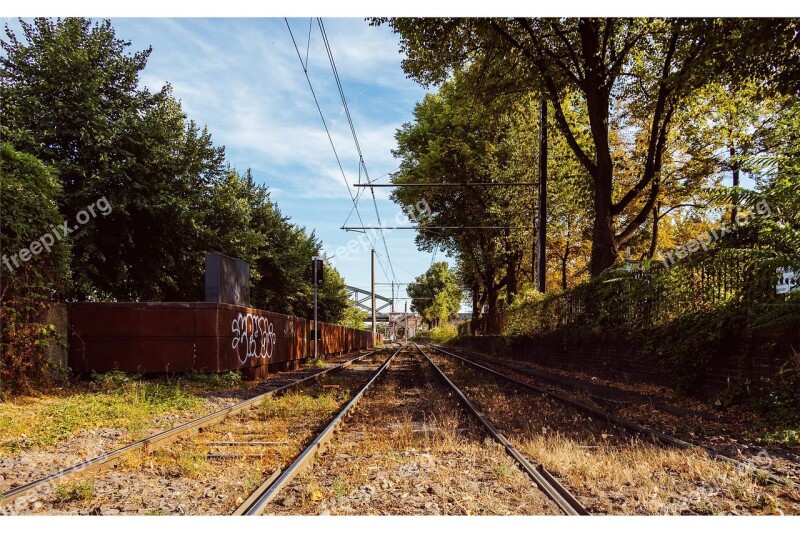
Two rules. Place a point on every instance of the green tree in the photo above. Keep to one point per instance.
(457, 139)
(70, 97)
(436, 294)
(732, 124)
(354, 317)
(652, 65)
(462, 139)
(334, 300)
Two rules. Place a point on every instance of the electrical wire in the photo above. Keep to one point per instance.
(327, 131)
(362, 164)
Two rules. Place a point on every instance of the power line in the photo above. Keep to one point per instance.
(354, 228)
(325, 124)
(445, 184)
(308, 44)
(362, 189)
(362, 164)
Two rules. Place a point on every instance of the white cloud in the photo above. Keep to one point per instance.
(244, 80)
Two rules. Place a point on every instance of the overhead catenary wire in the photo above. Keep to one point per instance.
(354, 228)
(362, 164)
(450, 184)
(325, 124)
(363, 188)
(308, 44)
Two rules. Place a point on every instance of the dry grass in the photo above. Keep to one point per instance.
(611, 471)
(410, 450)
(182, 478)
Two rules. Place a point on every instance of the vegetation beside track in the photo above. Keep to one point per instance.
(126, 402)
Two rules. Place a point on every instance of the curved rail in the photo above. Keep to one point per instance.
(258, 500)
(622, 422)
(107, 460)
(543, 479)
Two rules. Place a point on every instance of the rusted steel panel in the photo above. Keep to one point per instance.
(205, 337)
(134, 319)
(143, 354)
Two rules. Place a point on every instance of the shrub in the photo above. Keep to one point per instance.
(28, 202)
(443, 333)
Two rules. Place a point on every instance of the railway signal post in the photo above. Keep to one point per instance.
(316, 281)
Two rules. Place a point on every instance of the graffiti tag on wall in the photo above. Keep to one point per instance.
(253, 336)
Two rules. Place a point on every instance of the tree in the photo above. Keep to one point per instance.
(334, 300)
(609, 64)
(460, 140)
(29, 193)
(436, 294)
(354, 317)
(240, 219)
(172, 202)
(70, 97)
(732, 125)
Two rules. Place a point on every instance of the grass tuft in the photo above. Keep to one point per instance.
(81, 491)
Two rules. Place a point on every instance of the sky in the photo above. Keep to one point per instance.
(243, 79)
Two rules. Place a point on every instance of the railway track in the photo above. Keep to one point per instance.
(543, 479)
(629, 425)
(48, 485)
(238, 438)
(259, 501)
(266, 493)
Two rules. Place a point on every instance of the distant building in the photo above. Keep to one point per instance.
(399, 321)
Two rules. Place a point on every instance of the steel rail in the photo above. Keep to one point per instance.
(259, 500)
(252, 498)
(543, 479)
(154, 442)
(623, 422)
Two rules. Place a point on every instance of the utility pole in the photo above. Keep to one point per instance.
(316, 281)
(541, 239)
(374, 330)
(393, 334)
(405, 315)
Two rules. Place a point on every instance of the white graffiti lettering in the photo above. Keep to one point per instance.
(253, 336)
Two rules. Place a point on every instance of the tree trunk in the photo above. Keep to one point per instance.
(564, 260)
(476, 309)
(511, 276)
(604, 246)
(654, 237)
(492, 317)
(735, 168)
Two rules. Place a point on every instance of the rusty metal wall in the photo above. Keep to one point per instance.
(204, 337)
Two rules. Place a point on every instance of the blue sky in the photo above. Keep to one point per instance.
(243, 79)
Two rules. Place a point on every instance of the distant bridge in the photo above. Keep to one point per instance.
(360, 296)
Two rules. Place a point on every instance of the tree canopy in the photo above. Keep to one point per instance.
(615, 86)
(436, 294)
(71, 99)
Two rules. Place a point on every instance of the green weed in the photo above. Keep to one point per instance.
(81, 491)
